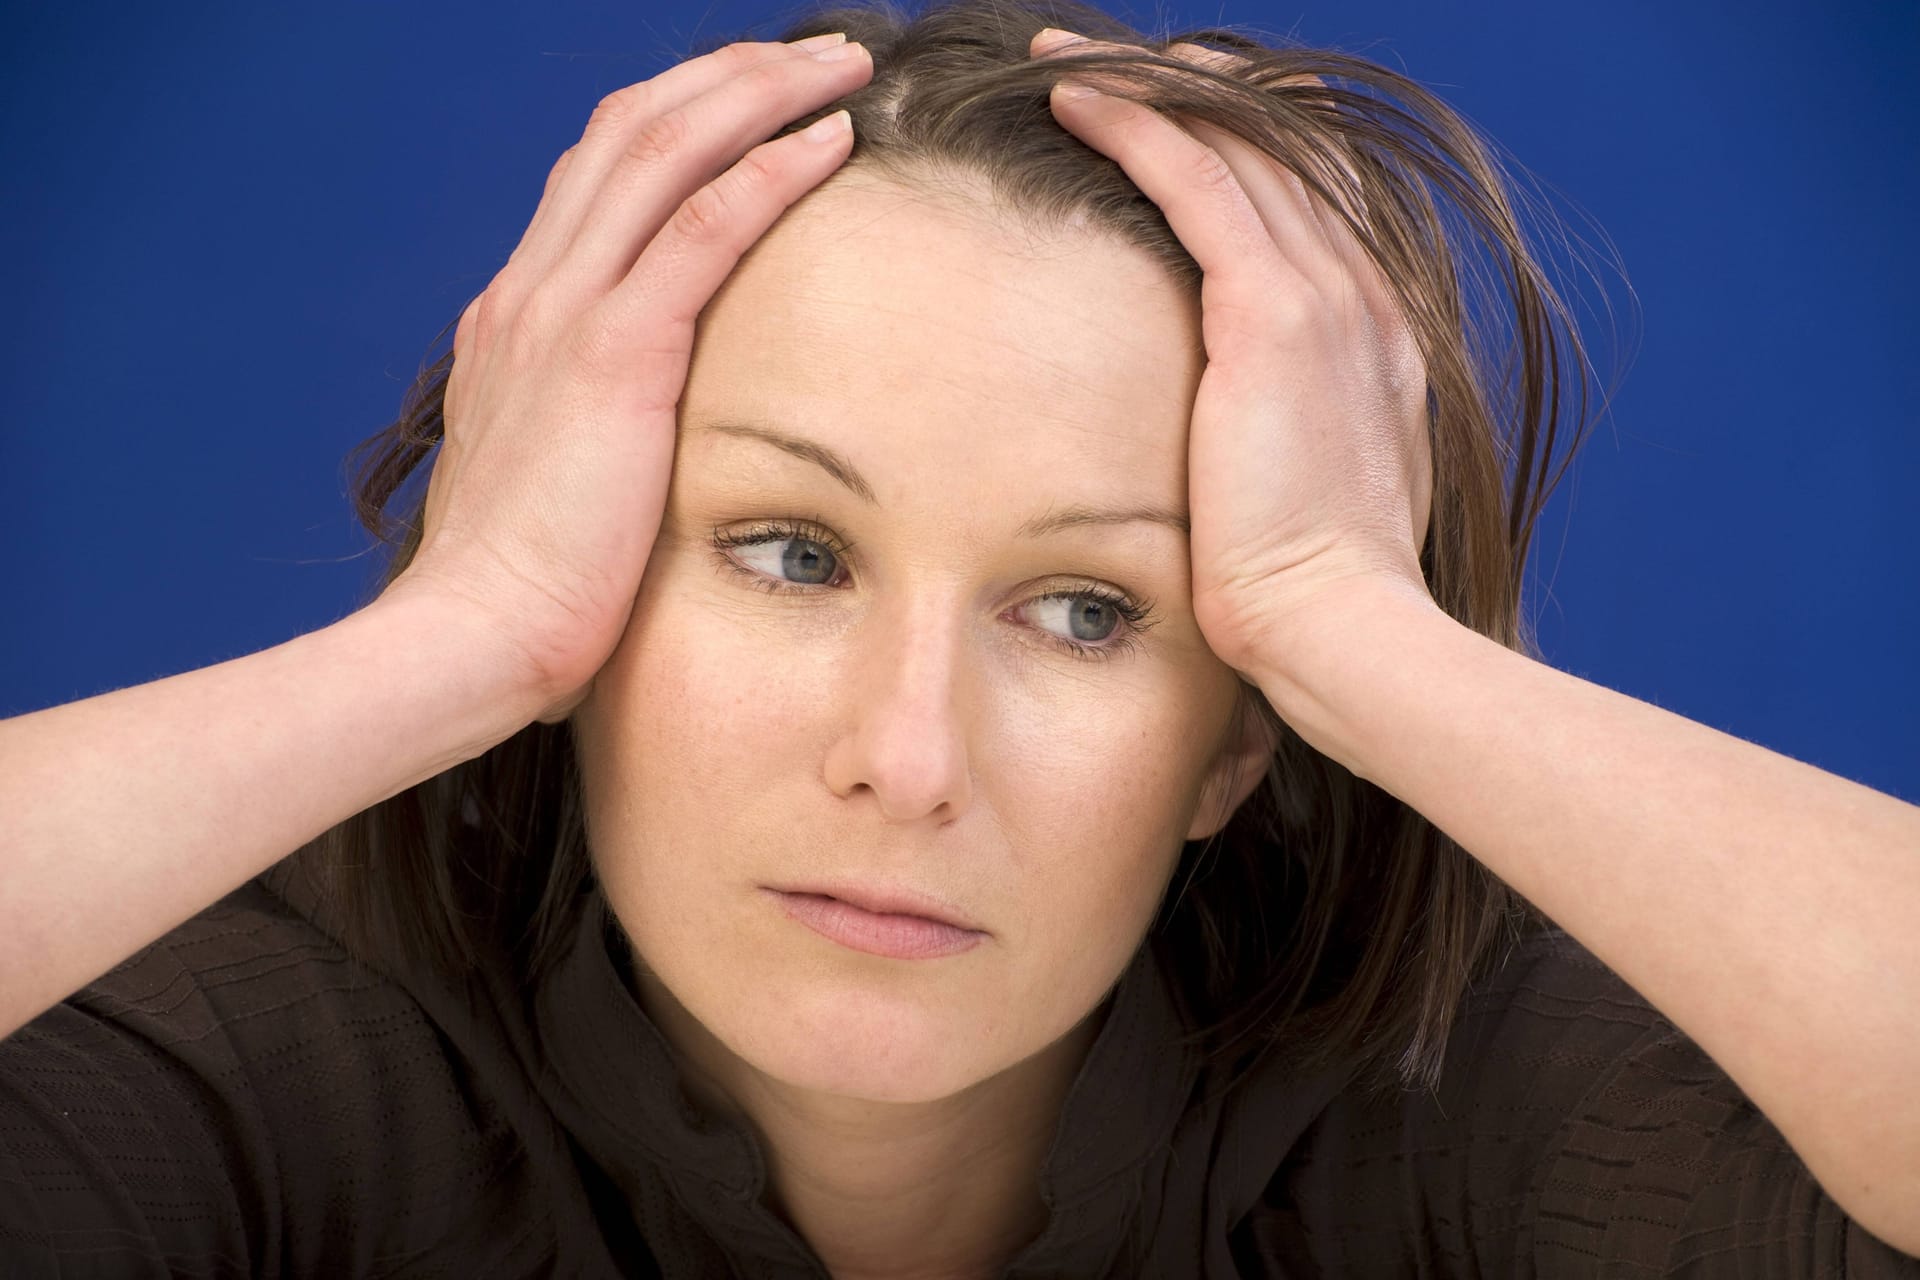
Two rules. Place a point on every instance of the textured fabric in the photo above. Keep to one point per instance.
(243, 1099)
(1576, 1132)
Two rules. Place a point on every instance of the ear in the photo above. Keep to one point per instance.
(1240, 766)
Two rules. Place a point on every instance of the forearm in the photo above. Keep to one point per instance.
(124, 814)
(1766, 907)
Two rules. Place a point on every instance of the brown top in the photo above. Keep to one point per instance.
(243, 1099)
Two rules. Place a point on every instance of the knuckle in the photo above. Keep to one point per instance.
(706, 216)
(507, 281)
(755, 171)
(1211, 172)
(613, 112)
(744, 54)
(770, 81)
(659, 139)
(464, 331)
(590, 340)
(1214, 58)
(560, 167)
(488, 317)
(533, 321)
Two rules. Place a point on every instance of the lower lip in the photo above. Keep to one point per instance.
(896, 937)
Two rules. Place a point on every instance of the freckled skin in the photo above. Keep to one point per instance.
(913, 724)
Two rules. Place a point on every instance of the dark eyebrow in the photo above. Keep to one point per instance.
(819, 455)
(837, 466)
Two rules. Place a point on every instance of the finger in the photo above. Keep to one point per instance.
(1215, 59)
(1312, 239)
(578, 175)
(1279, 198)
(1196, 190)
(664, 163)
(683, 266)
(1051, 41)
(1224, 61)
(1229, 63)
(1271, 191)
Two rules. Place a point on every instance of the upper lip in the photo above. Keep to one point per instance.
(887, 901)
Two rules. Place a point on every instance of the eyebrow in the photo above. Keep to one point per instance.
(838, 466)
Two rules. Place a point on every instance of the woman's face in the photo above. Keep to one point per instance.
(857, 656)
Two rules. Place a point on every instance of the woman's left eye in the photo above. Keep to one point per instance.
(1093, 621)
(1081, 618)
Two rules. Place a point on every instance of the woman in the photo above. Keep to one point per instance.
(910, 734)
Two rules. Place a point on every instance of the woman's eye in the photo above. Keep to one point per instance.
(1078, 619)
(797, 560)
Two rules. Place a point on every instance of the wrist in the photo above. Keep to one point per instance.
(1323, 654)
(488, 689)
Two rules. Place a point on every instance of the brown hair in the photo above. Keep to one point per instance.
(1327, 920)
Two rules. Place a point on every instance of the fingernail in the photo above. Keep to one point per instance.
(1064, 92)
(836, 52)
(1052, 37)
(828, 128)
(812, 43)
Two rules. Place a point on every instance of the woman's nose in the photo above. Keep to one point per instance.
(904, 733)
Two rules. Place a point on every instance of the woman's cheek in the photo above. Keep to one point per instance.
(723, 681)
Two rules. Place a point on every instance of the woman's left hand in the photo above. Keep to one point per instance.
(1309, 469)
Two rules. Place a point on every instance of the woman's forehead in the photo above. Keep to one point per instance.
(870, 319)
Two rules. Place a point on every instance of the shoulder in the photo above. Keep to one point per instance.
(247, 971)
(256, 1003)
(242, 1090)
(1575, 1128)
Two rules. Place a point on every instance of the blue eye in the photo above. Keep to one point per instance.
(1089, 619)
(779, 556)
(802, 560)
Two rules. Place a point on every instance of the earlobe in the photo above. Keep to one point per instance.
(1240, 767)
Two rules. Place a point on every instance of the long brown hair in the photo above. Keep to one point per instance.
(1327, 920)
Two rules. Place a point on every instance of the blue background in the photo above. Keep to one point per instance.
(231, 232)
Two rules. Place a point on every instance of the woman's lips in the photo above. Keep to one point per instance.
(898, 937)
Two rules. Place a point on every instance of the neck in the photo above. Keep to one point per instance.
(943, 1189)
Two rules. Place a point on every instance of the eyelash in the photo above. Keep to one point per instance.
(1136, 617)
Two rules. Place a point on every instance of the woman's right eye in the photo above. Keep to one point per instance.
(780, 557)
(794, 559)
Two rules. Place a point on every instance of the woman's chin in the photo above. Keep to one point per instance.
(857, 1043)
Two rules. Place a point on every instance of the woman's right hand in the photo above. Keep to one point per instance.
(123, 814)
(559, 415)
